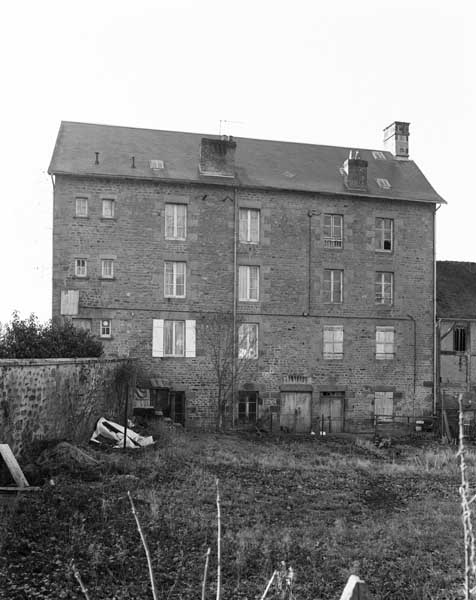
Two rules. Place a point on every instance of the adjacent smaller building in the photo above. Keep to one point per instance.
(456, 327)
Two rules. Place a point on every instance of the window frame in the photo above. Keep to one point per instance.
(331, 353)
(384, 344)
(112, 202)
(104, 274)
(380, 288)
(248, 348)
(175, 275)
(84, 201)
(248, 237)
(329, 285)
(103, 327)
(332, 241)
(380, 234)
(173, 323)
(173, 235)
(460, 338)
(244, 295)
(80, 271)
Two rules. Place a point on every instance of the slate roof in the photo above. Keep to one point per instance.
(456, 290)
(258, 163)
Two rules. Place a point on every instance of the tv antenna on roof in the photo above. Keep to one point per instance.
(225, 121)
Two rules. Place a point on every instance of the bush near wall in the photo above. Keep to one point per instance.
(28, 338)
(45, 399)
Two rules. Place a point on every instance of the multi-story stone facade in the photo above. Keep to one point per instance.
(321, 261)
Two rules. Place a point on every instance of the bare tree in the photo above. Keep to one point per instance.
(232, 349)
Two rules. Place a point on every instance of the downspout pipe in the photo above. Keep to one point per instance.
(436, 356)
(414, 360)
(235, 345)
(310, 214)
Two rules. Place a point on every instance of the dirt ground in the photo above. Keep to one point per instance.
(327, 508)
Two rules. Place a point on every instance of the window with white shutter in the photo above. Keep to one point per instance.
(173, 338)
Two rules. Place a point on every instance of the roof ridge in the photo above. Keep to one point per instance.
(235, 137)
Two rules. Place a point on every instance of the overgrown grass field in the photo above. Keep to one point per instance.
(328, 508)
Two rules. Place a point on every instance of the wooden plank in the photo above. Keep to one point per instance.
(447, 427)
(355, 589)
(7, 490)
(13, 466)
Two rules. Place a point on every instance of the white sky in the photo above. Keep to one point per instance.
(310, 71)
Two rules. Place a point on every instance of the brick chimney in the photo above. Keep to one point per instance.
(217, 156)
(355, 171)
(395, 139)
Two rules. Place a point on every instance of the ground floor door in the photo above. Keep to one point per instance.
(247, 407)
(295, 413)
(332, 411)
(170, 403)
(177, 407)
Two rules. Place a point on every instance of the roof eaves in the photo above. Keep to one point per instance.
(235, 182)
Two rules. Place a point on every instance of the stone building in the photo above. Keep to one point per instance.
(318, 259)
(456, 324)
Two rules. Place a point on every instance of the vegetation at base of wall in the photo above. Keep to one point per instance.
(327, 507)
(28, 338)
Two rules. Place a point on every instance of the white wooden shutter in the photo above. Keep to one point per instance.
(190, 339)
(69, 302)
(158, 338)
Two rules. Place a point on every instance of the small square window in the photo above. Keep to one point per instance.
(81, 207)
(108, 208)
(107, 268)
(105, 331)
(81, 267)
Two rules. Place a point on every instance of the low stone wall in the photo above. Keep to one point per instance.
(58, 398)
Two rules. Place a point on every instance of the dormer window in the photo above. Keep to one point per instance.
(378, 155)
(156, 165)
(384, 184)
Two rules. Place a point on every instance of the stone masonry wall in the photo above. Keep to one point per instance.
(55, 398)
(291, 311)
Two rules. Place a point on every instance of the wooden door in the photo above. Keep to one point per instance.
(295, 414)
(177, 407)
(332, 411)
